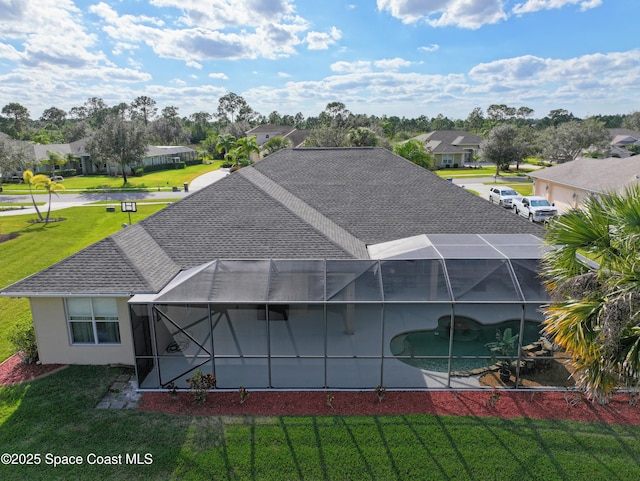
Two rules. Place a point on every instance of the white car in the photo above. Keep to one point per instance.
(535, 208)
(503, 196)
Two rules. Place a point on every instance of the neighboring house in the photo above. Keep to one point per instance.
(315, 268)
(567, 185)
(451, 148)
(83, 164)
(621, 139)
(265, 132)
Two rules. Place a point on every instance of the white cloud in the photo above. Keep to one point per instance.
(322, 41)
(193, 64)
(9, 52)
(430, 48)
(351, 67)
(218, 75)
(212, 38)
(220, 14)
(283, 75)
(471, 14)
(392, 64)
(535, 5)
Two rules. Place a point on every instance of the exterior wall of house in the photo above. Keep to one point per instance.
(54, 342)
(444, 160)
(564, 197)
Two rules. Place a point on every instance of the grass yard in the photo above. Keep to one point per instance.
(57, 415)
(39, 246)
(164, 179)
(522, 188)
(481, 172)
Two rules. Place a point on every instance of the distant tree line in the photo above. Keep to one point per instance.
(120, 132)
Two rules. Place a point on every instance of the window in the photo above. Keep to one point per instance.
(93, 320)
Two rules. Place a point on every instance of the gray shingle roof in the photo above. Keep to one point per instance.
(296, 204)
(594, 175)
(449, 141)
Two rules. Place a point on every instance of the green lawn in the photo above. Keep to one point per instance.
(57, 415)
(39, 246)
(481, 172)
(163, 179)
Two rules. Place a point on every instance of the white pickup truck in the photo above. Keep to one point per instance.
(536, 209)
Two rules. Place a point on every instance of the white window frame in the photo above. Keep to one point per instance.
(94, 322)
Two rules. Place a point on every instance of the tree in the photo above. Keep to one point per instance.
(145, 107)
(570, 139)
(246, 146)
(225, 143)
(632, 121)
(199, 126)
(54, 118)
(595, 313)
(440, 122)
(414, 151)
(95, 110)
(503, 147)
(54, 159)
(168, 129)
(20, 116)
(120, 141)
(28, 178)
(13, 155)
(326, 136)
(475, 121)
(336, 112)
(229, 106)
(362, 137)
(274, 144)
(41, 181)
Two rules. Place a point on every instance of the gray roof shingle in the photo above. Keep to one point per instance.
(296, 204)
(594, 175)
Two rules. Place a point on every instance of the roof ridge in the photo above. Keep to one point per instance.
(307, 213)
(149, 260)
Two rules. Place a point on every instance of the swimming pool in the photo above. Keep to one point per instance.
(470, 338)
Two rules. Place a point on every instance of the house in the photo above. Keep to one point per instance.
(314, 268)
(451, 148)
(621, 140)
(81, 162)
(265, 132)
(567, 185)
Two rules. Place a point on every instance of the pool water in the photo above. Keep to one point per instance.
(470, 338)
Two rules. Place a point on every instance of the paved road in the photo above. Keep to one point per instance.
(481, 185)
(65, 201)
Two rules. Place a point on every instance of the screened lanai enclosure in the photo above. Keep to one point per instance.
(418, 314)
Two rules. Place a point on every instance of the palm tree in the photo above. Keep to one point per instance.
(28, 177)
(44, 182)
(247, 145)
(595, 313)
(224, 143)
(274, 144)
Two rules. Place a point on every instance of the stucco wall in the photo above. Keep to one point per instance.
(564, 197)
(54, 344)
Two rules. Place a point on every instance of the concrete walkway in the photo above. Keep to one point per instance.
(123, 394)
(64, 201)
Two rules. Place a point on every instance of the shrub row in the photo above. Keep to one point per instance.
(168, 166)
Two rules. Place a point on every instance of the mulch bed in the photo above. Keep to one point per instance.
(491, 402)
(14, 371)
(495, 403)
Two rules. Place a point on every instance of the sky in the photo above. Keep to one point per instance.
(378, 57)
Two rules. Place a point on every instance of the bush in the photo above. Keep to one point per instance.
(66, 172)
(138, 172)
(23, 339)
(200, 385)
